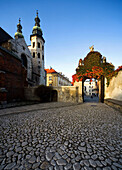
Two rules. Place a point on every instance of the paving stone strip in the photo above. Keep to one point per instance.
(34, 107)
(77, 137)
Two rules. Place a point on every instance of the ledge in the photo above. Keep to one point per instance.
(117, 104)
(10, 52)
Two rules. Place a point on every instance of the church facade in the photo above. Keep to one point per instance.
(21, 65)
(32, 57)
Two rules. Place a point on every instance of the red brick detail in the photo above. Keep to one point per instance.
(3, 96)
(13, 77)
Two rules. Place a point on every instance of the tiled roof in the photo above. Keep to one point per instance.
(50, 70)
(4, 36)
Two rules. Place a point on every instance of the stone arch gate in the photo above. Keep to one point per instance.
(93, 66)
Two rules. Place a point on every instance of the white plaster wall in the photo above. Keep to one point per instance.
(36, 60)
(78, 84)
(114, 90)
(62, 81)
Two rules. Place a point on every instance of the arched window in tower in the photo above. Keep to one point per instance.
(42, 57)
(38, 45)
(42, 48)
(24, 60)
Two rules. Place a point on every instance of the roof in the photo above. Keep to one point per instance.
(9, 52)
(50, 70)
(4, 36)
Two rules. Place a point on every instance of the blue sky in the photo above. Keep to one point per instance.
(69, 28)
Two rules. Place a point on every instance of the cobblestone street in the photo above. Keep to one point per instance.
(56, 137)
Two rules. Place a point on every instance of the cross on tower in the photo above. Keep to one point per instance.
(37, 12)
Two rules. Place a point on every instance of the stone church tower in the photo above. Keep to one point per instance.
(19, 47)
(37, 52)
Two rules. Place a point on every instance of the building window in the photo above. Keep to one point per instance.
(42, 57)
(50, 77)
(33, 44)
(38, 55)
(39, 62)
(38, 45)
(33, 54)
(42, 47)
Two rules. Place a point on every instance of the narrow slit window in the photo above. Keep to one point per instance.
(33, 54)
(38, 55)
(33, 44)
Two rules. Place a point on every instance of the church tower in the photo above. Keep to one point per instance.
(18, 34)
(37, 52)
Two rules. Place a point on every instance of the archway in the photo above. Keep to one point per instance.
(93, 66)
(91, 90)
(54, 96)
(24, 60)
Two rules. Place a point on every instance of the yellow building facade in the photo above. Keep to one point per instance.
(54, 78)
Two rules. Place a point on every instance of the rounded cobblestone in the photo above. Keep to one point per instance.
(69, 137)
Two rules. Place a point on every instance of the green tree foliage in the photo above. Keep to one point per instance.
(93, 67)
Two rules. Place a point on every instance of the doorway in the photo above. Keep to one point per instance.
(93, 90)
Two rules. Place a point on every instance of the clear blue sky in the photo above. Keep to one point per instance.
(69, 28)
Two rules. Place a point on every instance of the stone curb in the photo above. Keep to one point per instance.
(114, 104)
(44, 108)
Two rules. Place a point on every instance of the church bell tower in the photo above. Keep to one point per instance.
(18, 34)
(37, 52)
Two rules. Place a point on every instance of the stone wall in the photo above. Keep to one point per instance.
(68, 94)
(19, 47)
(79, 85)
(114, 90)
(30, 94)
(64, 94)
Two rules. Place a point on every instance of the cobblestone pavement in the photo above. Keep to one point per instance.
(86, 136)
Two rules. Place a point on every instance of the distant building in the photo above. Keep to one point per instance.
(54, 78)
(91, 88)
